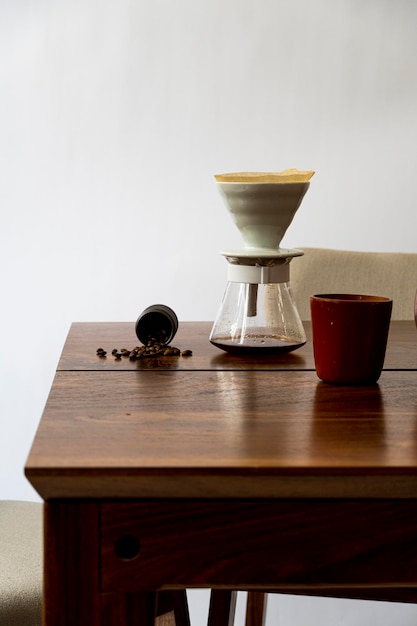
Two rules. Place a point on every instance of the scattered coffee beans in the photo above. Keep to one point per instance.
(154, 347)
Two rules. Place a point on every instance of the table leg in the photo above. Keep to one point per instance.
(256, 608)
(71, 564)
(128, 609)
(222, 607)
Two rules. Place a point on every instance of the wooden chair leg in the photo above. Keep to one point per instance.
(172, 609)
(181, 612)
(222, 607)
(256, 608)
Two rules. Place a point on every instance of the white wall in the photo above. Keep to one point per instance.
(114, 116)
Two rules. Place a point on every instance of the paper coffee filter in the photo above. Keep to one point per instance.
(286, 176)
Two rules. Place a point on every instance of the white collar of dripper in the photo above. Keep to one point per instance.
(260, 266)
(258, 274)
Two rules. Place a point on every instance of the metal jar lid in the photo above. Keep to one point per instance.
(157, 322)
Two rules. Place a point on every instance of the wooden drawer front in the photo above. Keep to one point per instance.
(147, 546)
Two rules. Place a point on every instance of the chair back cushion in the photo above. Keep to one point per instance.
(320, 270)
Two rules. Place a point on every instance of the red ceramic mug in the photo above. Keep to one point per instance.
(350, 334)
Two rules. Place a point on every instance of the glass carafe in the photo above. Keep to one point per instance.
(260, 315)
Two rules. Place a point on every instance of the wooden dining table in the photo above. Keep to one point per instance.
(221, 471)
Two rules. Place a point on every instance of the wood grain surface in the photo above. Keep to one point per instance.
(207, 431)
(209, 544)
(229, 434)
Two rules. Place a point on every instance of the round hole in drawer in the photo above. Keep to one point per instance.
(127, 547)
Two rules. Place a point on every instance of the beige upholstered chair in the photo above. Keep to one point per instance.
(20, 563)
(392, 274)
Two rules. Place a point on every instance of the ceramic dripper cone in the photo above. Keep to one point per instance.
(263, 205)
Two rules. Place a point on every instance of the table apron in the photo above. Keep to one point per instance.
(244, 544)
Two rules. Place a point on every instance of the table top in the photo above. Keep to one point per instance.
(213, 425)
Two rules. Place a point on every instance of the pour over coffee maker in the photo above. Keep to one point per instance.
(258, 312)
